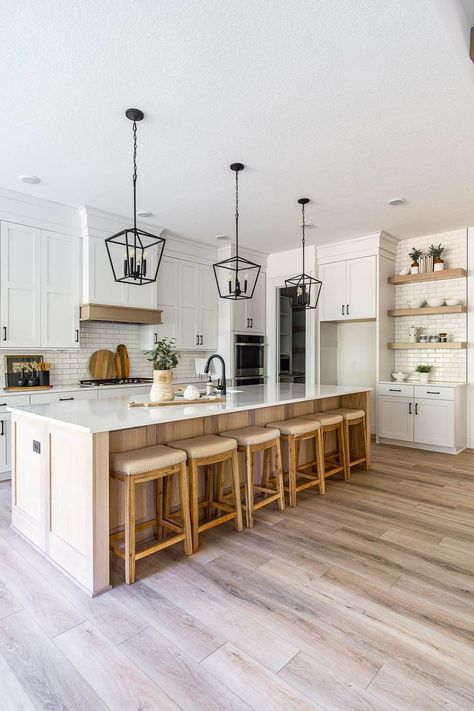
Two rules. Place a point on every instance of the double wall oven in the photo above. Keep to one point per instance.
(249, 360)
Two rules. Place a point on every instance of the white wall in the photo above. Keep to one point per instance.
(470, 345)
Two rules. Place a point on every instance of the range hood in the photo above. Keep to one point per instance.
(120, 314)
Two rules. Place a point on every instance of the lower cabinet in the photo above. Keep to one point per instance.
(430, 417)
(5, 439)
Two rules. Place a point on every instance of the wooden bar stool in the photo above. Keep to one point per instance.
(352, 418)
(205, 451)
(337, 461)
(293, 432)
(156, 463)
(251, 440)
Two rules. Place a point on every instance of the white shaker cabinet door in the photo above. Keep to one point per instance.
(333, 298)
(361, 279)
(434, 422)
(20, 279)
(168, 299)
(100, 286)
(208, 309)
(395, 418)
(189, 305)
(256, 304)
(60, 291)
(5, 445)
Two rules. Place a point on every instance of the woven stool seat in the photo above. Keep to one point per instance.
(146, 459)
(324, 418)
(252, 435)
(347, 413)
(294, 426)
(204, 446)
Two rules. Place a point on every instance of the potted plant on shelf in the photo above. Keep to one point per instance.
(164, 358)
(435, 251)
(414, 255)
(423, 371)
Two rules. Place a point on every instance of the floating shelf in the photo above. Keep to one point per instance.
(428, 276)
(428, 311)
(425, 346)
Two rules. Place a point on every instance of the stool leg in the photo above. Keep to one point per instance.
(292, 469)
(130, 532)
(160, 530)
(210, 490)
(365, 436)
(343, 448)
(220, 482)
(185, 514)
(266, 467)
(194, 502)
(320, 461)
(249, 487)
(239, 526)
(279, 475)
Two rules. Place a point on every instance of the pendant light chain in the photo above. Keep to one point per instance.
(237, 213)
(135, 175)
(303, 231)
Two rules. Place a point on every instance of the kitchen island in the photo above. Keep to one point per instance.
(63, 501)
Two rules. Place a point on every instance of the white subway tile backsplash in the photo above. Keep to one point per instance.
(70, 366)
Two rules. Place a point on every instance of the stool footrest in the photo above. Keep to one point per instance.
(216, 521)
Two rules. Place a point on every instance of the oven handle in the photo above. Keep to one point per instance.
(251, 345)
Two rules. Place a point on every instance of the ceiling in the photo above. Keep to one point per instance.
(348, 103)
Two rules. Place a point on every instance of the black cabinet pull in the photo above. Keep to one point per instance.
(394, 390)
(416, 408)
(3, 403)
(63, 399)
(201, 341)
(2, 430)
(433, 392)
(77, 335)
(248, 323)
(156, 338)
(409, 409)
(251, 323)
(347, 309)
(4, 333)
(343, 310)
(197, 340)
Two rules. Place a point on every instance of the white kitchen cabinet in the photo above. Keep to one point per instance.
(168, 303)
(197, 307)
(349, 290)
(20, 286)
(431, 417)
(248, 315)
(5, 446)
(39, 299)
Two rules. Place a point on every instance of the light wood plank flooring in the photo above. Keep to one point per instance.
(359, 600)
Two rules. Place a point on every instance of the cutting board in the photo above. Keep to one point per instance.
(122, 363)
(168, 403)
(102, 364)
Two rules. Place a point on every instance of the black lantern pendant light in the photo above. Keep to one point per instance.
(303, 290)
(135, 255)
(236, 277)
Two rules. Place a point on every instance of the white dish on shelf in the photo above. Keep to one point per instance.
(404, 272)
(435, 302)
(399, 376)
(453, 302)
(416, 303)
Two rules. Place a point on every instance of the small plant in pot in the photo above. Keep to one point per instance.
(435, 251)
(415, 255)
(164, 358)
(423, 371)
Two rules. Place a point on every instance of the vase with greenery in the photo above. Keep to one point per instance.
(423, 371)
(435, 251)
(164, 358)
(415, 255)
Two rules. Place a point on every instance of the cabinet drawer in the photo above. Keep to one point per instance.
(433, 392)
(47, 398)
(396, 389)
(13, 400)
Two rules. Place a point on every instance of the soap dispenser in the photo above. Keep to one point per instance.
(209, 387)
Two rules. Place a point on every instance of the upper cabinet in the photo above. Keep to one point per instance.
(349, 290)
(39, 288)
(99, 286)
(187, 297)
(248, 315)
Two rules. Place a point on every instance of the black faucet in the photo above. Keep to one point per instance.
(220, 382)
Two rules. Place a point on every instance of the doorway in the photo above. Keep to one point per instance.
(291, 341)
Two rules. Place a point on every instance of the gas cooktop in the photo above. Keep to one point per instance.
(114, 381)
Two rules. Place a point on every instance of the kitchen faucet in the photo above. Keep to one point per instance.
(221, 383)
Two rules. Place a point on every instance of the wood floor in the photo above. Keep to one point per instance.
(362, 599)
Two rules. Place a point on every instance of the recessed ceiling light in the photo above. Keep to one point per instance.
(397, 201)
(144, 213)
(30, 179)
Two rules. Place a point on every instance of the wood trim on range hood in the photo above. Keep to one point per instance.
(120, 314)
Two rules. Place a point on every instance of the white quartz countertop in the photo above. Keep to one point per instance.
(110, 414)
(441, 384)
(75, 387)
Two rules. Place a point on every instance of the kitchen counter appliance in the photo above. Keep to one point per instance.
(249, 360)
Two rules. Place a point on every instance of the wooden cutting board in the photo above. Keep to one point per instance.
(102, 364)
(122, 362)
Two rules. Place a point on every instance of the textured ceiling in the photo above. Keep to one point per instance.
(348, 103)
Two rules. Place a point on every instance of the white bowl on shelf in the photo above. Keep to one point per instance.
(453, 302)
(416, 303)
(435, 302)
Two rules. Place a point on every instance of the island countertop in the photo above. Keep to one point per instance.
(108, 415)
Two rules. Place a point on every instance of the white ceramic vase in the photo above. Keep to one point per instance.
(423, 377)
(438, 266)
(161, 390)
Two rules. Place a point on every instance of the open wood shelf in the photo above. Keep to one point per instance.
(428, 276)
(425, 346)
(428, 311)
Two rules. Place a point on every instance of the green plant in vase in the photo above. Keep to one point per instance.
(415, 255)
(423, 370)
(435, 251)
(164, 358)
